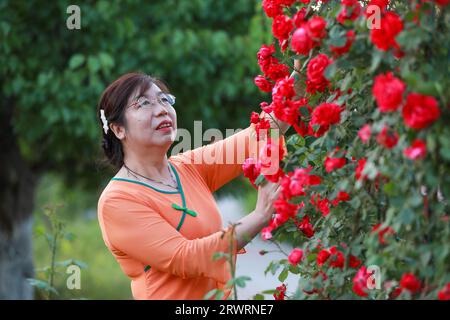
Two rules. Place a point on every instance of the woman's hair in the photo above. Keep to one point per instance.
(114, 101)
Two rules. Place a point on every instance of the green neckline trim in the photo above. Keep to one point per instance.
(183, 200)
(149, 186)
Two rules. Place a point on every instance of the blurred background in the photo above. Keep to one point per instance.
(51, 78)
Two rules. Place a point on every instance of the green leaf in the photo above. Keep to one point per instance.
(240, 281)
(93, 64)
(42, 285)
(76, 61)
(283, 275)
(330, 71)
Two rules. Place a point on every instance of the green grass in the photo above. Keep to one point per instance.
(102, 279)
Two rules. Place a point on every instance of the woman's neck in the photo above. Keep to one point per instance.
(153, 165)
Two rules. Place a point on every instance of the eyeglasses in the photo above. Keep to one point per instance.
(164, 99)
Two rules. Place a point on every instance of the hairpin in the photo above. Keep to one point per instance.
(104, 121)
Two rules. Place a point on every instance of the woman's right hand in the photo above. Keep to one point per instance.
(267, 193)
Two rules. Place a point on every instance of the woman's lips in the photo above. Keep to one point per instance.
(166, 129)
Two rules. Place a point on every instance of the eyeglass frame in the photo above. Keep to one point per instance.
(158, 98)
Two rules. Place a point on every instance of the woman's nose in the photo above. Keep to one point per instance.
(162, 110)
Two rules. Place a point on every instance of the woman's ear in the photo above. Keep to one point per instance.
(118, 130)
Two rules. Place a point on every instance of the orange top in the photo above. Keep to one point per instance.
(164, 241)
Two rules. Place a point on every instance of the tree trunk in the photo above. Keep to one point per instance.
(17, 185)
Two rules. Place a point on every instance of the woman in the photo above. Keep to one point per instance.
(158, 216)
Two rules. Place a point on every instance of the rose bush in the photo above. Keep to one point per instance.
(366, 180)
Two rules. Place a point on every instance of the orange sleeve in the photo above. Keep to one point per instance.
(221, 161)
(140, 232)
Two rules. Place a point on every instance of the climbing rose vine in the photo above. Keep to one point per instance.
(365, 181)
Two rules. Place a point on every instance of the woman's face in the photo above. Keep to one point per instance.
(143, 116)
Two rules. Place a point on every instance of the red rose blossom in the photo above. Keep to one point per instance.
(351, 9)
(387, 138)
(295, 256)
(263, 84)
(360, 168)
(410, 282)
(332, 164)
(417, 150)
(315, 79)
(360, 282)
(420, 111)
(326, 114)
(301, 42)
(282, 26)
(444, 294)
(364, 133)
(388, 92)
(384, 37)
(279, 293)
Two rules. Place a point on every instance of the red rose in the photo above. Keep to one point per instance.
(281, 27)
(266, 58)
(360, 282)
(417, 150)
(316, 28)
(301, 42)
(384, 37)
(306, 227)
(364, 133)
(283, 89)
(279, 293)
(341, 196)
(336, 258)
(444, 294)
(420, 111)
(322, 257)
(301, 178)
(410, 282)
(272, 8)
(316, 81)
(323, 205)
(360, 168)
(277, 71)
(332, 164)
(350, 11)
(346, 47)
(266, 233)
(295, 256)
(285, 208)
(263, 84)
(326, 114)
(387, 138)
(388, 92)
(265, 52)
(250, 169)
(354, 262)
